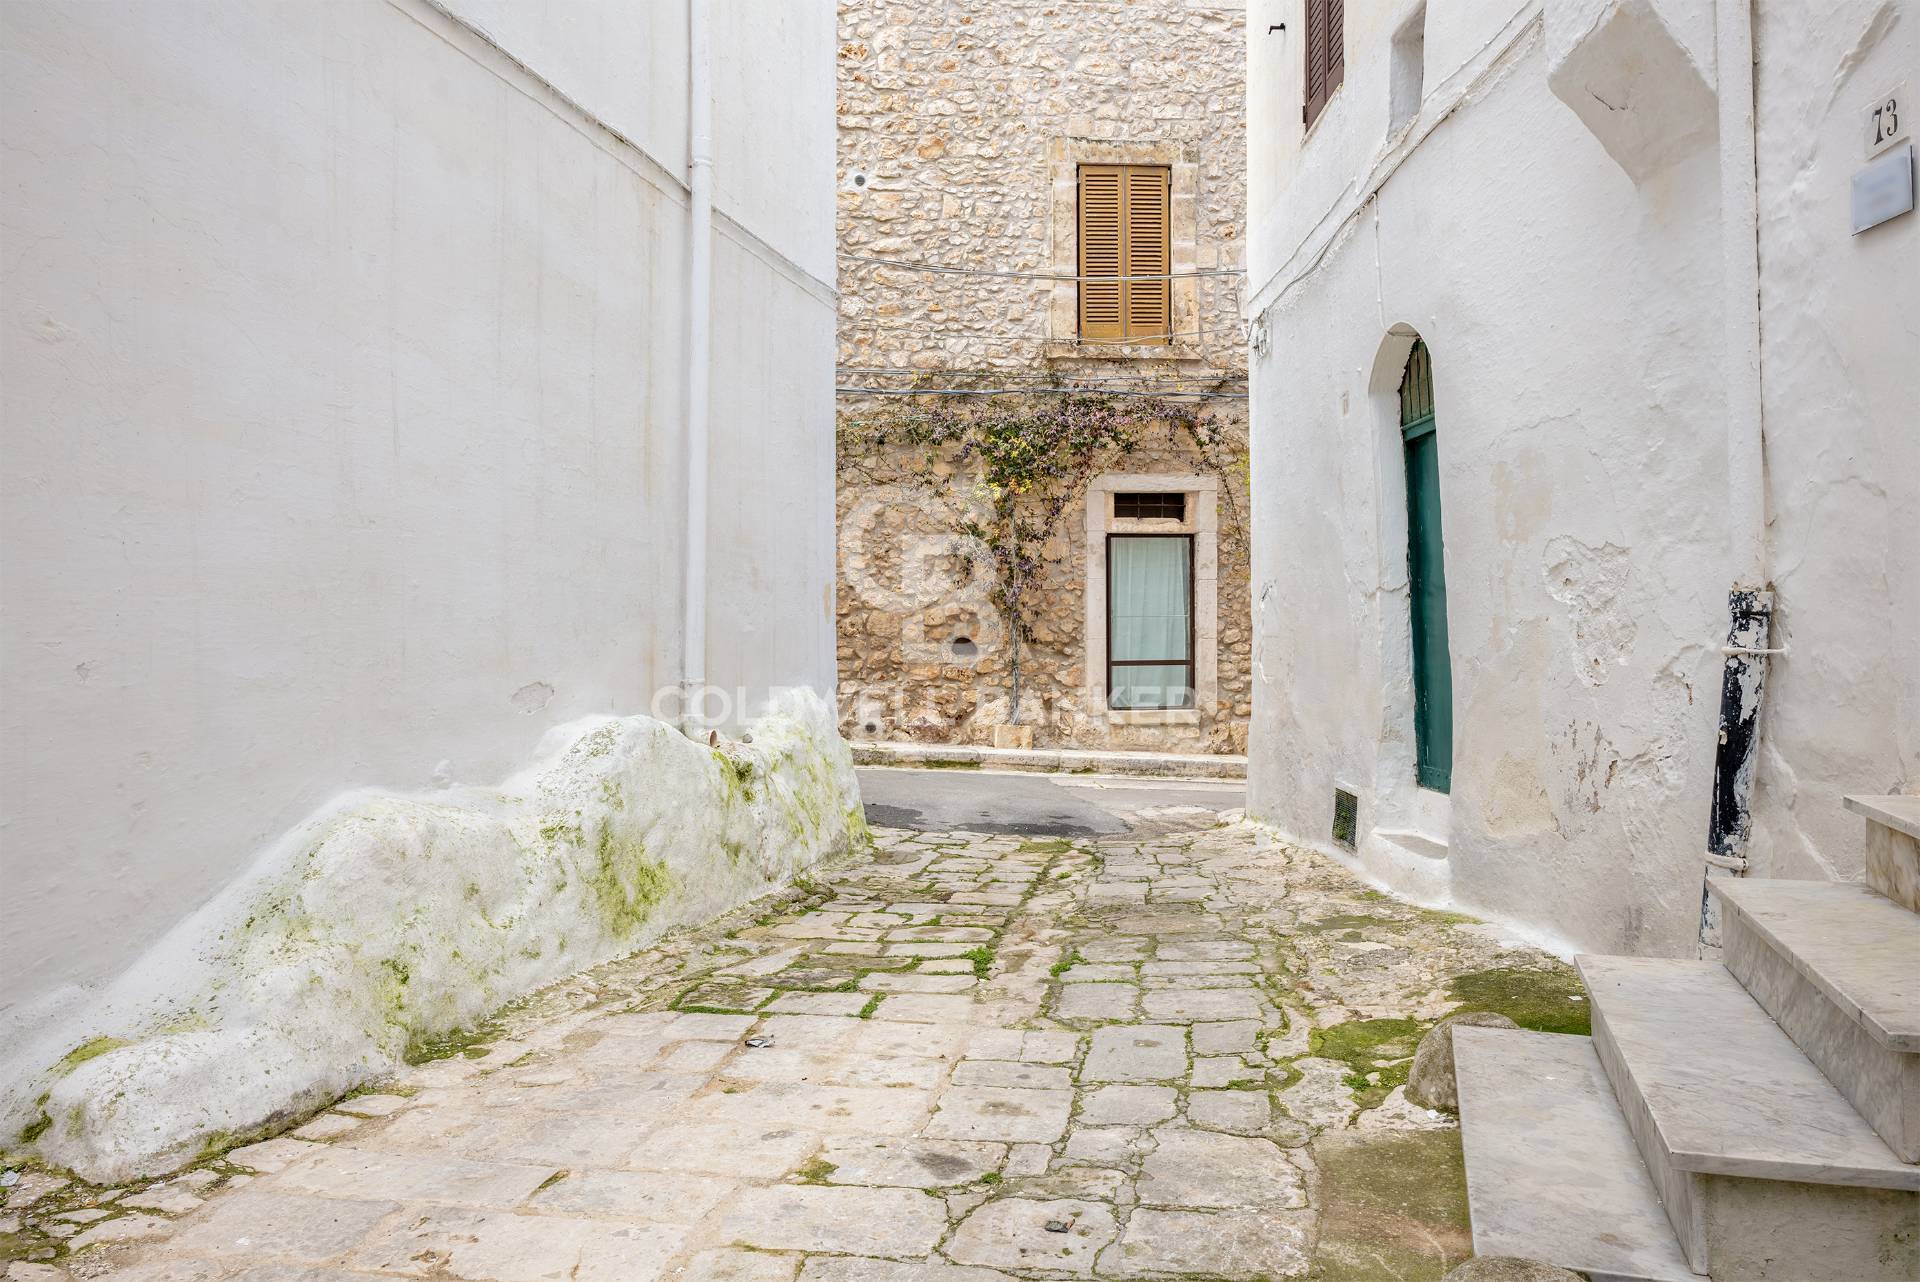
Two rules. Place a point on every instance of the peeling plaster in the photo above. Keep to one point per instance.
(1590, 581)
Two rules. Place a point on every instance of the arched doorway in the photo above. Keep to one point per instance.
(1426, 577)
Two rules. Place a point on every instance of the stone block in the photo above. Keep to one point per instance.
(1014, 1233)
(883, 1222)
(1000, 1113)
(909, 1163)
(1136, 1053)
(504, 1247)
(674, 1198)
(1121, 1105)
(1204, 1169)
(1227, 1244)
(288, 1226)
(414, 1177)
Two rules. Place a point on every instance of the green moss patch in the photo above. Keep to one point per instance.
(982, 959)
(1377, 1052)
(627, 886)
(1048, 846)
(1353, 921)
(1392, 1207)
(1547, 999)
(85, 1051)
(470, 1043)
(818, 1170)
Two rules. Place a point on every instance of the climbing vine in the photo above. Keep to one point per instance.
(1032, 457)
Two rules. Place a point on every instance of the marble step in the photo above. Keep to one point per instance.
(1893, 846)
(1552, 1173)
(1764, 1168)
(1837, 966)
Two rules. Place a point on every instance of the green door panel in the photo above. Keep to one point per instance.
(1427, 586)
(1427, 578)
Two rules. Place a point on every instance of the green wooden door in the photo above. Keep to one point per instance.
(1426, 578)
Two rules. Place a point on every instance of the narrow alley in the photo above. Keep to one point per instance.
(1177, 1050)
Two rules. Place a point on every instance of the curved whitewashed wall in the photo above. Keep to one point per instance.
(343, 393)
(1575, 321)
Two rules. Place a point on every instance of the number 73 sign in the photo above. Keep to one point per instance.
(1886, 121)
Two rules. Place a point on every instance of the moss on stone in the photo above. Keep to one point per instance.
(1378, 1053)
(626, 885)
(37, 1127)
(470, 1043)
(1048, 846)
(85, 1051)
(1548, 999)
(1392, 1206)
(1351, 922)
(816, 1171)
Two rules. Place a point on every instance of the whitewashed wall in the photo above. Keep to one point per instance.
(1841, 380)
(1575, 322)
(343, 412)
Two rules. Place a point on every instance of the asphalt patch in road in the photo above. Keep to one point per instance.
(882, 815)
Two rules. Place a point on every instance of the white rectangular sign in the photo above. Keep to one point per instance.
(1883, 189)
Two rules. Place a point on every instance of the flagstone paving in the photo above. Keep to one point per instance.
(965, 1058)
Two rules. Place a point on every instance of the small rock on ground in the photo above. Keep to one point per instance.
(1431, 1080)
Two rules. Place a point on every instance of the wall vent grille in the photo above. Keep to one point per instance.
(1346, 818)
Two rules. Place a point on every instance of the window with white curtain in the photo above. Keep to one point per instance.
(1150, 621)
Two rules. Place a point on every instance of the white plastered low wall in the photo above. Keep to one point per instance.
(387, 920)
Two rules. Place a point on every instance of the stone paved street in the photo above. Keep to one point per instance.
(1170, 1052)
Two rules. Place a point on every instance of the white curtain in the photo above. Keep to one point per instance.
(1151, 600)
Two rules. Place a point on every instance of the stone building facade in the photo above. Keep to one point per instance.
(968, 135)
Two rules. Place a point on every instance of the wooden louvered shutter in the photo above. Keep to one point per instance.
(1336, 44)
(1316, 72)
(1125, 231)
(1326, 54)
(1101, 200)
(1148, 254)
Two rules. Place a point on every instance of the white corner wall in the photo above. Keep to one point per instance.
(342, 399)
(1575, 323)
(1841, 388)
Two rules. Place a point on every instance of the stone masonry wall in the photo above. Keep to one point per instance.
(961, 125)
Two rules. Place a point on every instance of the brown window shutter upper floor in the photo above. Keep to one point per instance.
(1102, 314)
(1326, 54)
(1125, 232)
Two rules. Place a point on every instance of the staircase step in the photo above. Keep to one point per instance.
(1736, 1126)
(1893, 846)
(1552, 1173)
(1838, 968)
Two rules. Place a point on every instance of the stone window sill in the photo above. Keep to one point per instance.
(1153, 716)
(1057, 350)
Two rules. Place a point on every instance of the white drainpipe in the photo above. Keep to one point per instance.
(1740, 265)
(1750, 603)
(699, 344)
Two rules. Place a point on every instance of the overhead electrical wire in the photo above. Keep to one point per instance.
(941, 269)
(1078, 342)
(1145, 393)
(1015, 369)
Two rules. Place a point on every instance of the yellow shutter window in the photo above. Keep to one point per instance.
(1125, 234)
